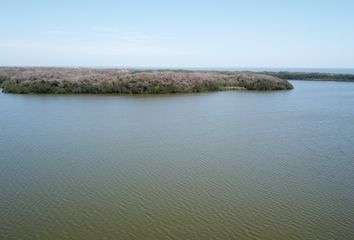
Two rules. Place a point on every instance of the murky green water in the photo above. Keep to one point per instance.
(228, 165)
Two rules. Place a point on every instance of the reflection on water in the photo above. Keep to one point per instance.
(228, 165)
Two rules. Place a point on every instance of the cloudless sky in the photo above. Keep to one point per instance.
(163, 33)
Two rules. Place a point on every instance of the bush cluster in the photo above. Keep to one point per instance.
(111, 81)
(130, 87)
(312, 76)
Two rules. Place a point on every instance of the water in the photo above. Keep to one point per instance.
(226, 165)
(259, 69)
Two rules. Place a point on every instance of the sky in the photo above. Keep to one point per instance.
(157, 33)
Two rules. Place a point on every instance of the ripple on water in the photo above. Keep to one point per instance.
(211, 166)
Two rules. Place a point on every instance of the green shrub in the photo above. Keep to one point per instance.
(156, 83)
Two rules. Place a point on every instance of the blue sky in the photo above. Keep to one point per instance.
(182, 33)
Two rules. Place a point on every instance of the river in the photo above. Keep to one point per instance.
(224, 165)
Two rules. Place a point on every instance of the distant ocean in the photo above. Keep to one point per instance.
(320, 70)
(317, 70)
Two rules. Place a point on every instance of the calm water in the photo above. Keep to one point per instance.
(319, 70)
(227, 165)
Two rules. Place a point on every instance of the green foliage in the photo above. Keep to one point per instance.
(312, 76)
(266, 85)
(3, 79)
(129, 87)
(142, 83)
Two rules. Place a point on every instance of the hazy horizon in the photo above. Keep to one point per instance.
(167, 34)
(340, 70)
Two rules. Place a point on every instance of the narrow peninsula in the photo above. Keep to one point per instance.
(39, 80)
(45, 80)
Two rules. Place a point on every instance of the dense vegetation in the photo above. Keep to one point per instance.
(312, 76)
(115, 81)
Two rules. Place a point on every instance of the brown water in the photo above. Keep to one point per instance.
(227, 165)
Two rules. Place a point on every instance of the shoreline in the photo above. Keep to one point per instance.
(47, 80)
(122, 81)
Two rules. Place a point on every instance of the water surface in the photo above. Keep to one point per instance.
(226, 165)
